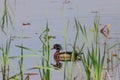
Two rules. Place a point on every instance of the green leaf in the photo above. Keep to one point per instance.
(14, 76)
(45, 68)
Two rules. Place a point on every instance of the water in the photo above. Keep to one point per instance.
(58, 15)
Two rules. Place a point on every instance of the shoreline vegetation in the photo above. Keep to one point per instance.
(97, 61)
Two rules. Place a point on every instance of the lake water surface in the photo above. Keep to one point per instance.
(58, 14)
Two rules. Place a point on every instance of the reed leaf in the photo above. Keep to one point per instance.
(44, 38)
(6, 18)
(45, 68)
(114, 45)
(21, 64)
(14, 77)
(4, 58)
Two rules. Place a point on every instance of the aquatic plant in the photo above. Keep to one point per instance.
(45, 75)
(85, 60)
(4, 60)
(96, 58)
(21, 64)
(7, 18)
(93, 61)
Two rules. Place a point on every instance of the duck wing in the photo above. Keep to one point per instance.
(68, 52)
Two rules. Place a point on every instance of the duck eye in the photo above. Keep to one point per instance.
(57, 48)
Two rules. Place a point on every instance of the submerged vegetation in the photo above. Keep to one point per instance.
(96, 59)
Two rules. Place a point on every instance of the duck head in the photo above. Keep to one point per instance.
(58, 47)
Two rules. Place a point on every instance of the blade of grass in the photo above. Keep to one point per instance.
(4, 59)
(21, 64)
(6, 18)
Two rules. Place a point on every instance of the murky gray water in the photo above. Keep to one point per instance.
(57, 14)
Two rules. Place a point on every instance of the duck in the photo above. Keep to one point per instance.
(63, 56)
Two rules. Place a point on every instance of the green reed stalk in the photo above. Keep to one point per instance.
(95, 55)
(74, 50)
(21, 57)
(21, 63)
(93, 61)
(73, 53)
(4, 59)
(85, 60)
(6, 18)
(65, 32)
(68, 70)
(97, 61)
(46, 54)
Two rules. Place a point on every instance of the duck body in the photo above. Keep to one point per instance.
(63, 56)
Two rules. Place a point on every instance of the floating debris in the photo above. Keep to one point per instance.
(114, 55)
(25, 24)
(29, 74)
(106, 68)
(106, 30)
(118, 58)
(108, 60)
